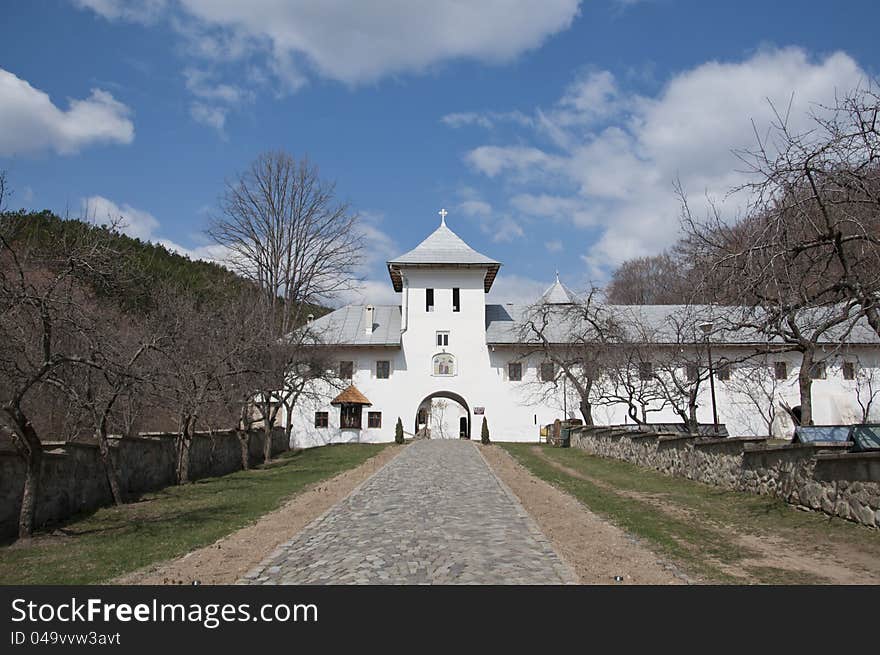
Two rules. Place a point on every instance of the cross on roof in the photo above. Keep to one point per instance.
(443, 214)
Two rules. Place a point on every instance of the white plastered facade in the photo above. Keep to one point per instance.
(479, 384)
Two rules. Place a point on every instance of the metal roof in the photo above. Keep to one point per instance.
(443, 247)
(659, 323)
(347, 326)
(559, 294)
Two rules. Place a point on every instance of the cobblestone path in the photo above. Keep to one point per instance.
(435, 514)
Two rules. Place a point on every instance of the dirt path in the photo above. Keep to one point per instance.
(596, 550)
(227, 560)
(838, 566)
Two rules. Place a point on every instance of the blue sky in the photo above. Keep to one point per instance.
(551, 130)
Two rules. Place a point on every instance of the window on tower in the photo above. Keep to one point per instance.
(429, 300)
(456, 299)
(443, 338)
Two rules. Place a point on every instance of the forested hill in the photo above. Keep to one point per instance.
(148, 266)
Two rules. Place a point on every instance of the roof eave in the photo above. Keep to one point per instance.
(397, 278)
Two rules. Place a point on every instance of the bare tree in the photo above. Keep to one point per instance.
(655, 280)
(781, 299)
(46, 324)
(756, 383)
(576, 341)
(207, 351)
(118, 347)
(678, 362)
(867, 390)
(438, 417)
(819, 194)
(286, 231)
(630, 379)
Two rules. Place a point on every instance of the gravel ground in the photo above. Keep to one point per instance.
(595, 549)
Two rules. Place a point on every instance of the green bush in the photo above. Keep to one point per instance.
(398, 431)
(484, 432)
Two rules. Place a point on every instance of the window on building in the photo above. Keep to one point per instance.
(346, 370)
(780, 370)
(350, 416)
(722, 372)
(646, 370)
(443, 338)
(817, 371)
(429, 300)
(444, 364)
(849, 371)
(374, 419)
(692, 371)
(383, 369)
(548, 372)
(514, 371)
(321, 419)
(456, 300)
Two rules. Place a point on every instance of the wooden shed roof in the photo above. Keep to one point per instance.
(351, 396)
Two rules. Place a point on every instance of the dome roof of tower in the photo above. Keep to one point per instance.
(443, 247)
(559, 294)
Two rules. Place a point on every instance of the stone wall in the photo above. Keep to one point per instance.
(73, 477)
(822, 477)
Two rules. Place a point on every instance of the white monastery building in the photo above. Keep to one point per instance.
(443, 360)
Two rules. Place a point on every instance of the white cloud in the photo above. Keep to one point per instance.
(202, 85)
(215, 99)
(141, 224)
(135, 223)
(505, 230)
(517, 289)
(486, 120)
(209, 252)
(209, 115)
(462, 119)
(376, 291)
(379, 247)
(32, 123)
(359, 42)
(553, 246)
(492, 160)
(137, 11)
(557, 208)
(475, 207)
(615, 154)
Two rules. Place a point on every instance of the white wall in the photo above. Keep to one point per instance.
(513, 410)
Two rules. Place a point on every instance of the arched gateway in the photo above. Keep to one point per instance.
(439, 420)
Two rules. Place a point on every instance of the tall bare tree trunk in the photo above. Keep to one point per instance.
(586, 411)
(184, 441)
(267, 444)
(693, 424)
(244, 441)
(805, 387)
(111, 470)
(32, 451)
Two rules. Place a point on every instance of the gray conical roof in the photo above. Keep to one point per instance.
(559, 294)
(443, 247)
